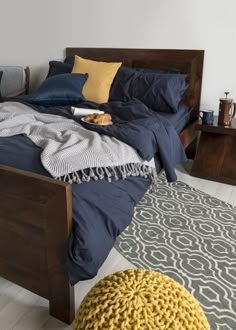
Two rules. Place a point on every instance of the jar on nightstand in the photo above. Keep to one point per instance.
(226, 111)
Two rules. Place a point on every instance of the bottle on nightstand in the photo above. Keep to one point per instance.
(226, 111)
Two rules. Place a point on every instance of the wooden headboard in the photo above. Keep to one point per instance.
(187, 61)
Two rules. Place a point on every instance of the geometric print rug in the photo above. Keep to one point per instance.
(189, 236)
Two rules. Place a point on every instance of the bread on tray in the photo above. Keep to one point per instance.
(99, 119)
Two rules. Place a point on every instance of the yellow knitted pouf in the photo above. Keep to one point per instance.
(139, 299)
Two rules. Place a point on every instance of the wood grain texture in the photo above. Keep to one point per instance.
(216, 154)
(35, 222)
(218, 129)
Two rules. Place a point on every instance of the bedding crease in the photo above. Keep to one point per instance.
(71, 152)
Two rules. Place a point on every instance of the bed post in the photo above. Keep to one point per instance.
(36, 218)
(61, 293)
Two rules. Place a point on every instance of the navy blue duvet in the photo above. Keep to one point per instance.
(102, 210)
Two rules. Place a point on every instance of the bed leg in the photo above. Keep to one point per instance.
(60, 292)
(61, 301)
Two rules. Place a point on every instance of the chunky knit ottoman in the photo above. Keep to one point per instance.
(139, 299)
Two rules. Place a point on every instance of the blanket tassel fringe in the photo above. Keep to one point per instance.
(111, 172)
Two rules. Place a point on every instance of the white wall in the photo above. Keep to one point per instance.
(34, 32)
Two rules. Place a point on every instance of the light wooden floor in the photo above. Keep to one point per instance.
(22, 310)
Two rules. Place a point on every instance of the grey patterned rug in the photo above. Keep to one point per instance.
(191, 237)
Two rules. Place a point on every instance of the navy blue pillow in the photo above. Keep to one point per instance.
(158, 70)
(120, 88)
(57, 67)
(61, 89)
(69, 60)
(158, 90)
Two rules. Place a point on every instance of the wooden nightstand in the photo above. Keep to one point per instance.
(215, 158)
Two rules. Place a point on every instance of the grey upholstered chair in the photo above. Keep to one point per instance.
(14, 81)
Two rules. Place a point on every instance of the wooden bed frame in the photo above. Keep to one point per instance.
(187, 61)
(36, 211)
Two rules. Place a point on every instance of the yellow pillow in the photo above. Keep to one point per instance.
(100, 77)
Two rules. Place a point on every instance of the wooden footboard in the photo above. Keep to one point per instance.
(35, 222)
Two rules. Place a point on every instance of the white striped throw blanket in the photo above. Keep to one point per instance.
(70, 152)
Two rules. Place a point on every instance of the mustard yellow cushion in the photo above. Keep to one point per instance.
(100, 77)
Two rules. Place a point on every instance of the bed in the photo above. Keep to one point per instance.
(33, 254)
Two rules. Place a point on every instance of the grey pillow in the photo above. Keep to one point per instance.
(13, 79)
